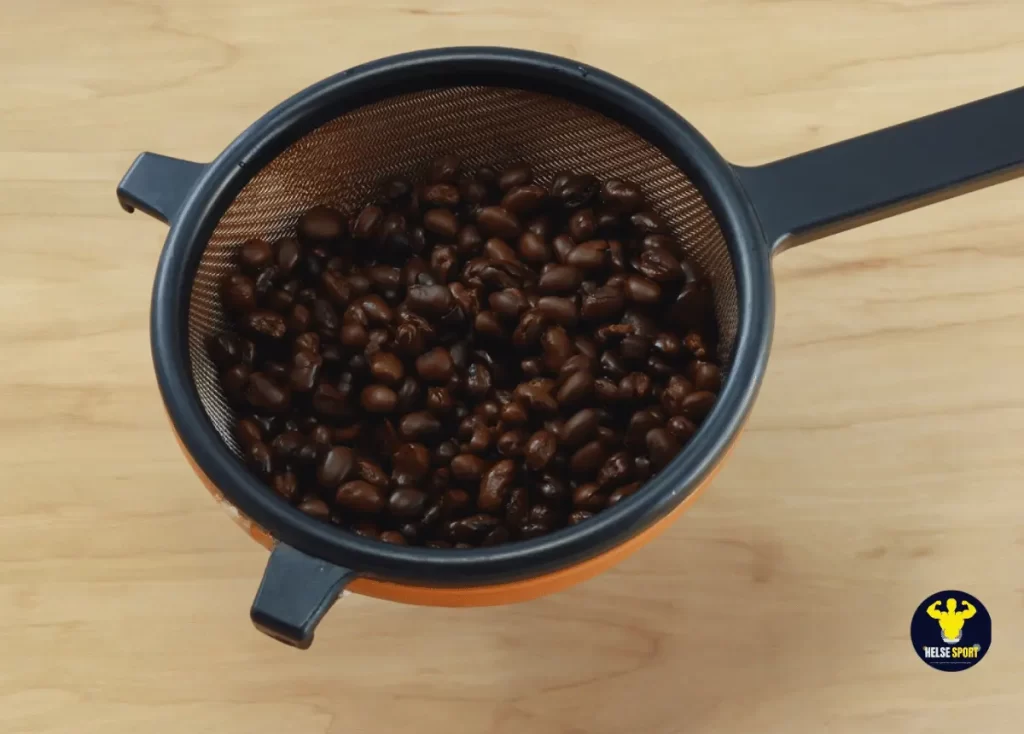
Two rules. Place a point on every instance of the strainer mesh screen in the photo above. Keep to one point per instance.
(343, 162)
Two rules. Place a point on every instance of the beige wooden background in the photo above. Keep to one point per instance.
(883, 462)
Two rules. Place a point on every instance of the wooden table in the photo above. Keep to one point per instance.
(883, 461)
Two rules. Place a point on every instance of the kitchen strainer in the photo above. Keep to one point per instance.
(336, 141)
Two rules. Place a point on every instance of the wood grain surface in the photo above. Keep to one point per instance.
(883, 461)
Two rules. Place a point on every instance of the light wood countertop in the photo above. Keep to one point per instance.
(883, 461)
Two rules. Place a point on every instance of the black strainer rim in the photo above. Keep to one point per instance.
(589, 87)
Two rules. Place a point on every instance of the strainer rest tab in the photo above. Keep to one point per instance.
(157, 185)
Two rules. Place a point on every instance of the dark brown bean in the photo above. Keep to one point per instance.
(591, 255)
(616, 470)
(642, 290)
(517, 174)
(588, 458)
(539, 449)
(315, 507)
(621, 197)
(239, 293)
(442, 223)
(533, 248)
(386, 368)
(285, 484)
(706, 376)
(510, 444)
(321, 225)
(393, 537)
(529, 329)
(441, 194)
(636, 386)
(407, 503)
(536, 393)
(376, 309)
(514, 413)
(325, 318)
(255, 254)
(496, 221)
(588, 497)
(261, 460)
(560, 279)
(276, 371)
(675, 393)
(469, 240)
(559, 310)
(335, 466)
(235, 379)
(478, 380)
(697, 405)
(611, 365)
(286, 445)
(576, 363)
(695, 344)
(440, 400)
(498, 249)
(586, 346)
(660, 265)
(495, 484)
(300, 318)
(642, 469)
(286, 255)
(360, 496)
(384, 276)
(557, 348)
(578, 516)
(603, 304)
(510, 302)
(540, 226)
(329, 401)
(496, 537)
(681, 427)
(430, 300)
(367, 223)
(354, 336)
(648, 223)
(469, 467)
(473, 529)
(436, 365)
(661, 446)
(371, 472)
(574, 190)
(576, 388)
(227, 349)
(412, 459)
(524, 199)
(378, 399)
(580, 428)
(366, 530)
(639, 425)
(583, 225)
(248, 433)
(419, 425)
(264, 394)
(622, 492)
(669, 345)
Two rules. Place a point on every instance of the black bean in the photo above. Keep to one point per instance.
(496, 221)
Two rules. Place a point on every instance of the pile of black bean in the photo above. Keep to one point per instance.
(469, 360)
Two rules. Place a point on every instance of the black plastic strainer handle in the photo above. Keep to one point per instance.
(874, 176)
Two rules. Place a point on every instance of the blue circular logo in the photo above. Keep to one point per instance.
(951, 630)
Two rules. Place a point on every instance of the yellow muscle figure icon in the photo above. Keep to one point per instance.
(951, 621)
